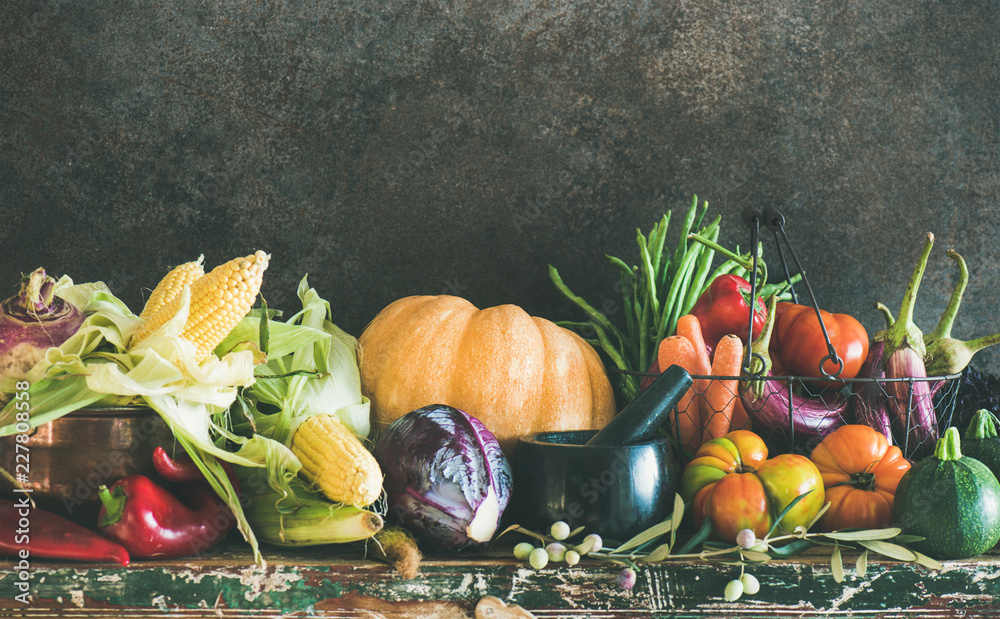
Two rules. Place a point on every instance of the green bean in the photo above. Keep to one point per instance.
(626, 270)
(681, 285)
(574, 324)
(681, 279)
(729, 266)
(644, 360)
(631, 318)
(701, 213)
(647, 271)
(597, 317)
(656, 246)
(700, 272)
(681, 248)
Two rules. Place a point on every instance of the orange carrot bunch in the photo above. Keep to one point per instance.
(712, 407)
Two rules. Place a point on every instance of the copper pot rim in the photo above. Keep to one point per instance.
(109, 412)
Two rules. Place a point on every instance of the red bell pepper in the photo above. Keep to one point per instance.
(150, 521)
(27, 531)
(724, 308)
(799, 347)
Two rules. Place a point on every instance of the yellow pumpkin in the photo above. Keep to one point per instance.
(516, 373)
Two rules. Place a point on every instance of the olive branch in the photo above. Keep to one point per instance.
(659, 542)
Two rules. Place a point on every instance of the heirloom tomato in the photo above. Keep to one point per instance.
(734, 483)
(798, 343)
(860, 471)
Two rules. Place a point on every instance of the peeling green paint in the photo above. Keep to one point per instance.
(294, 583)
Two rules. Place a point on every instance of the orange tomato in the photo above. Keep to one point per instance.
(860, 472)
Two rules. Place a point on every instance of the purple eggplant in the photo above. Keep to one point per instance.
(911, 408)
(776, 409)
(779, 410)
(871, 407)
(911, 404)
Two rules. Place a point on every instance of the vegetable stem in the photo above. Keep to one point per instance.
(943, 328)
(903, 330)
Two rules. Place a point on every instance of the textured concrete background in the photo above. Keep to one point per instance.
(393, 148)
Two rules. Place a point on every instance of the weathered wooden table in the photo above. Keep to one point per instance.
(340, 582)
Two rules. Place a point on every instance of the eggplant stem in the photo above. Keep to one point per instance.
(887, 314)
(943, 328)
(903, 330)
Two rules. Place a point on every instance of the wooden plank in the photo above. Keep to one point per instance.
(340, 582)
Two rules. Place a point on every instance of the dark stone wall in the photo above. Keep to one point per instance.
(394, 148)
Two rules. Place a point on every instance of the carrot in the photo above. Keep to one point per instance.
(689, 327)
(678, 350)
(741, 420)
(721, 394)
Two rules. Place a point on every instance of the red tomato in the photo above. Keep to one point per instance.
(798, 341)
(732, 481)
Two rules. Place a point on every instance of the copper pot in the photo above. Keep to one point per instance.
(69, 458)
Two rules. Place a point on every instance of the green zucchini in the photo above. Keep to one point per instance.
(981, 441)
(952, 501)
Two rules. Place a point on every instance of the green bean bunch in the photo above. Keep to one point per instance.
(663, 287)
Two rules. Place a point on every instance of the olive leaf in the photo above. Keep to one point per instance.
(788, 508)
(864, 534)
(927, 562)
(646, 536)
(893, 551)
(659, 553)
(676, 518)
(755, 557)
(837, 565)
(819, 515)
(862, 565)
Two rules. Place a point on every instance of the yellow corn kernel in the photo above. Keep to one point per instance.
(171, 286)
(336, 462)
(219, 301)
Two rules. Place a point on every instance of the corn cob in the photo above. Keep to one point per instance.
(311, 522)
(336, 462)
(171, 286)
(219, 301)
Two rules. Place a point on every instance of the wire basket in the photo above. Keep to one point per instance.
(792, 417)
(794, 413)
